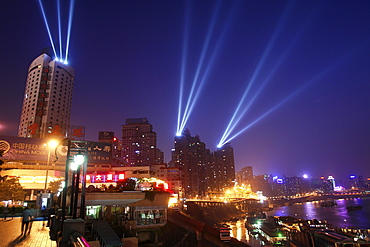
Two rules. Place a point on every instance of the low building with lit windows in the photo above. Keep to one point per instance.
(133, 214)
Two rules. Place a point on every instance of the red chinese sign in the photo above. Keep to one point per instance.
(33, 127)
(105, 178)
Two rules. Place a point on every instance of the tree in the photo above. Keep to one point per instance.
(126, 185)
(54, 186)
(11, 189)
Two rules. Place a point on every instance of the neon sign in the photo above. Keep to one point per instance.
(105, 178)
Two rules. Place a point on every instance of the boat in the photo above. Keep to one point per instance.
(328, 204)
(354, 208)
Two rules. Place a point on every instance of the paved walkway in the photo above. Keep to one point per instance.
(10, 234)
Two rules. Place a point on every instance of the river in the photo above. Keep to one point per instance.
(239, 232)
(337, 216)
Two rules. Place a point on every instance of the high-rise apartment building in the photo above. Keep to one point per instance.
(192, 158)
(47, 99)
(203, 173)
(221, 176)
(139, 143)
(245, 175)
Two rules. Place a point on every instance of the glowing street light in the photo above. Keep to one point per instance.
(78, 160)
(77, 156)
(52, 144)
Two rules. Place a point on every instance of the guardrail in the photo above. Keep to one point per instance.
(77, 240)
(104, 233)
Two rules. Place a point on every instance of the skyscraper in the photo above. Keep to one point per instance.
(47, 99)
(192, 158)
(203, 172)
(139, 143)
(222, 169)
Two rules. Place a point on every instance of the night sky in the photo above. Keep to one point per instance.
(309, 62)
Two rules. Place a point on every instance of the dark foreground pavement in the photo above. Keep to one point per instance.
(10, 234)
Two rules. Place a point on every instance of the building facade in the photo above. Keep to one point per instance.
(245, 176)
(171, 175)
(222, 172)
(192, 157)
(47, 99)
(139, 143)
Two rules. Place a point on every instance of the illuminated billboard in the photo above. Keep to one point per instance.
(106, 135)
(35, 149)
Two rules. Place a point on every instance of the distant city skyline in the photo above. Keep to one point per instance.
(307, 108)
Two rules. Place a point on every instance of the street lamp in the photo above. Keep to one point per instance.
(78, 160)
(52, 144)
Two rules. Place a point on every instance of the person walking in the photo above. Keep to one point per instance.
(6, 211)
(12, 210)
(26, 219)
(33, 215)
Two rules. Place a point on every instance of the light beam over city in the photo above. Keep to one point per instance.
(195, 88)
(59, 30)
(70, 19)
(48, 29)
(232, 123)
(316, 79)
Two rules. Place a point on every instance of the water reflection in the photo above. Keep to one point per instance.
(239, 232)
(337, 215)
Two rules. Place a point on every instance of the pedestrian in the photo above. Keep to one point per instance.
(6, 211)
(33, 215)
(45, 215)
(12, 210)
(26, 219)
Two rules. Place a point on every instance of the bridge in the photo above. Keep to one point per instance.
(288, 201)
(242, 204)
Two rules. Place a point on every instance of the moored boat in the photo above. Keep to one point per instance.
(328, 204)
(354, 208)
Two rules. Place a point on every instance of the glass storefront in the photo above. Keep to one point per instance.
(118, 215)
(93, 212)
(150, 217)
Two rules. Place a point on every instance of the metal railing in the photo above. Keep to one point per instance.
(104, 233)
(77, 240)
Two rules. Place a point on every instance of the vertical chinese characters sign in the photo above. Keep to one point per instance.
(41, 100)
(100, 152)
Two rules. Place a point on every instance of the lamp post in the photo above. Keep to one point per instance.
(76, 157)
(78, 160)
(52, 144)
